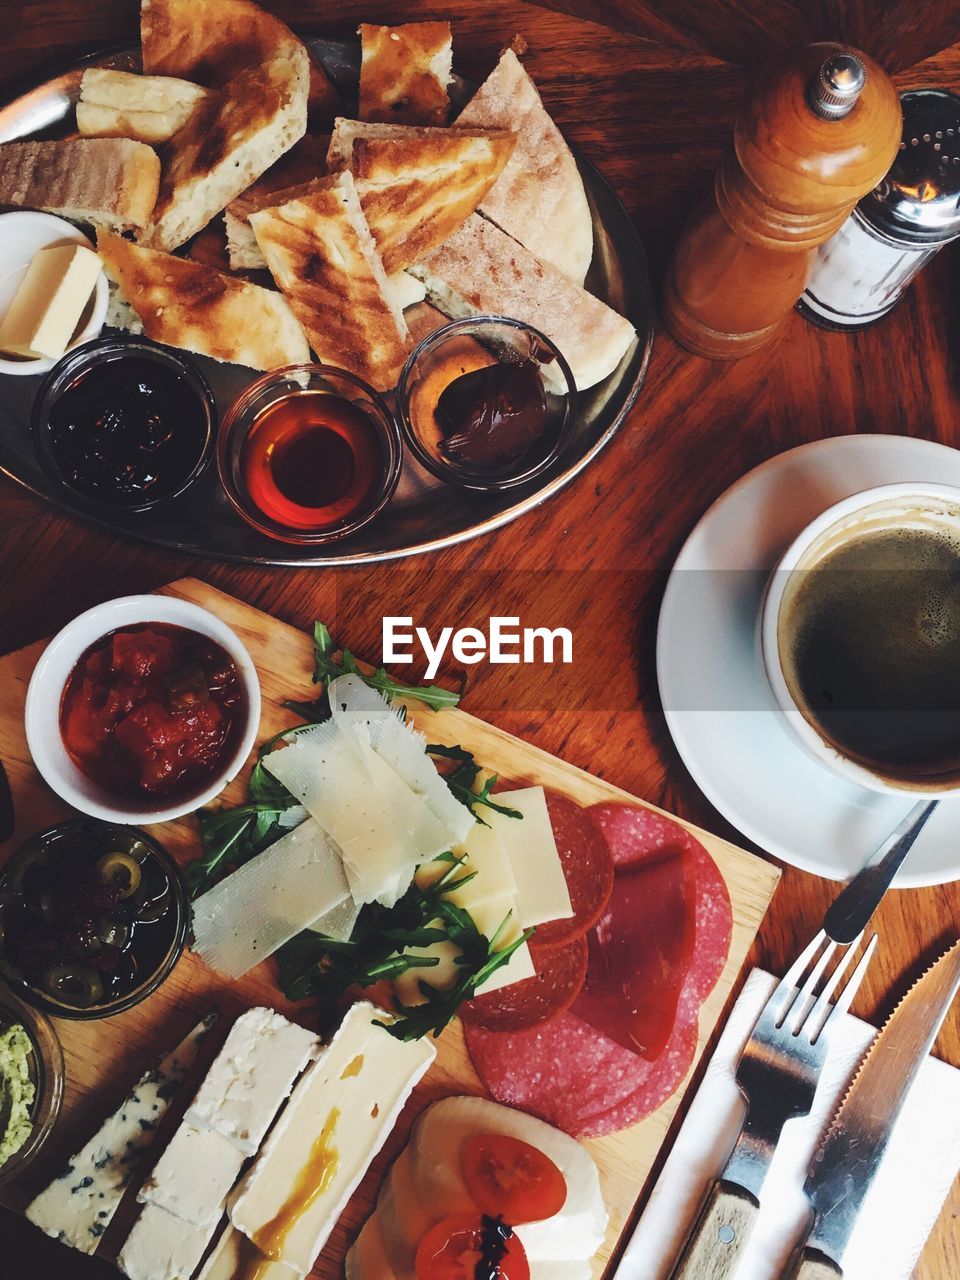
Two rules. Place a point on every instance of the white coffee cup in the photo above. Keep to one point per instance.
(901, 506)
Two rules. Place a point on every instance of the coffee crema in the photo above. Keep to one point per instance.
(869, 642)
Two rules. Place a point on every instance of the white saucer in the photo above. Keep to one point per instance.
(717, 702)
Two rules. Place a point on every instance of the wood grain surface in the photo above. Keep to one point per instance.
(101, 1059)
(648, 88)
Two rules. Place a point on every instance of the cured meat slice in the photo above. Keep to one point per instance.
(558, 982)
(572, 1073)
(587, 866)
(634, 835)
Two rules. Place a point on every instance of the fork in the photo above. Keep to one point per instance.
(777, 1076)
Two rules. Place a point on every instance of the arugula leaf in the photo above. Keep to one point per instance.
(463, 779)
(327, 667)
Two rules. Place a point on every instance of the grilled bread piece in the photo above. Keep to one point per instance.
(242, 244)
(417, 185)
(482, 270)
(110, 182)
(229, 142)
(118, 104)
(186, 304)
(321, 254)
(300, 165)
(539, 197)
(405, 71)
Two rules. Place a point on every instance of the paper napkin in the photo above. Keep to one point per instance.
(919, 1168)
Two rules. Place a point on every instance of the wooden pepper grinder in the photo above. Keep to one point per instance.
(820, 129)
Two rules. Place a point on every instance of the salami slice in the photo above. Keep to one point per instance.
(634, 835)
(572, 1073)
(560, 975)
(587, 865)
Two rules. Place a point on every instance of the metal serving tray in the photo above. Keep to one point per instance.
(425, 514)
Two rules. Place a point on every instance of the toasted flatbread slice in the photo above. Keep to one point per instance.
(539, 198)
(322, 255)
(417, 185)
(108, 182)
(300, 165)
(481, 270)
(405, 71)
(229, 142)
(118, 104)
(188, 305)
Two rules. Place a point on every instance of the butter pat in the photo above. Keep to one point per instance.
(46, 310)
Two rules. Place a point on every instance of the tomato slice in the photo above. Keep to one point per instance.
(511, 1179)
(469, 1246)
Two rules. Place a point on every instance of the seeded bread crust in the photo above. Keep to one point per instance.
(405, 71)
(107, 182)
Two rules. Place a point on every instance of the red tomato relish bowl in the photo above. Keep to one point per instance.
(171, 708)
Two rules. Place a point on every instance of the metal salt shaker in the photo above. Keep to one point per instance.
(862, 271)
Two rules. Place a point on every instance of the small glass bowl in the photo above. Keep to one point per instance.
(453, 349)
(281, 384)
(46, 1072)
(105, 837)
(64, 374)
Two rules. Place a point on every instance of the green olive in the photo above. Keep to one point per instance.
(121, 871)
(76, 984)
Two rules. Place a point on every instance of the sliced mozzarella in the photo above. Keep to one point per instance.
(269, 900)
(367, 1259)
(338, 1118)
(404, 1219)
(357, 708)
(435, 1146)
(383, 829)
(542, 892)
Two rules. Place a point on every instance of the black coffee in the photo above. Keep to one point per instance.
(870, 646)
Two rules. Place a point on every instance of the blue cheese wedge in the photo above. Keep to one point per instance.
(77, 1207)
(194, 1176)
(162, 1247)
(237, 1258)
(250, 1078)
(336, 1121)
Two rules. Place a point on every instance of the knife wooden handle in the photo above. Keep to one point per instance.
(814, 1266)
(720, 1236)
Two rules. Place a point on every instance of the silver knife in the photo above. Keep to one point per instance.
(844, 1166)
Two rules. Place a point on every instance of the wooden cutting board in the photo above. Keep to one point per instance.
(104, 1058)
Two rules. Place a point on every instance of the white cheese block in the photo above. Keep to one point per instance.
(404, 1219)
(162, 1247)
(542, 892)
(269, 900)
(236, 1258)
(251, 1076)
(194, 1176)
(435, 1147)
(357, 708)
(47, 307)
(335, 1123)
(383, 829)
(77, 1207)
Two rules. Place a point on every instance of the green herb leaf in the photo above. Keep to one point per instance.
(462, 782)
(328, 666)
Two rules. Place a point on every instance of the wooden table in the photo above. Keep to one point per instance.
(648, 88)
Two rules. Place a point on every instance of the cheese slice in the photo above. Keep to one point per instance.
(358, 709)
(338, 923)
(162, 1247)
(542, 892)
(47, 307)
(338, 1118)
(269, 900)
(484, 853)
(382, 828)
(194, 1176)
(78, 1206)
(250, 1078)
(237, 1258)
(367, 1259)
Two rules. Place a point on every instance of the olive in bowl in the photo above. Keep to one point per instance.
(93, 918)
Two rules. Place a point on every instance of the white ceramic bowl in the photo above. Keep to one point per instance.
(22, 234)
(897, 505)
(53, 670)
